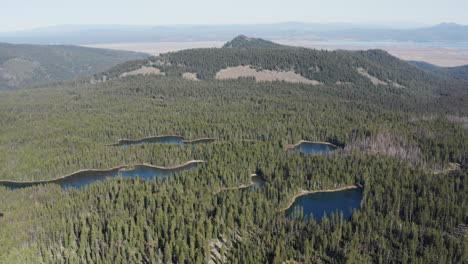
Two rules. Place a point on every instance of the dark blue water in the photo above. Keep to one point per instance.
(315, 148)
(85, 178)
(174, 140)
(142, 172)
(146, 173)
(326, 203)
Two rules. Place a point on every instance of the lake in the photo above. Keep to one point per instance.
(175, 140)
(325, 203)
(86, 177)
(314, 148)
(178, 140)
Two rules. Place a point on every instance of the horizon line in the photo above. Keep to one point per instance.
(369, 24)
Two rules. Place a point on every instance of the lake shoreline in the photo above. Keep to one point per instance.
(293, 146)
(198, 140)
(124, 141)
(129, 141)
(118, 168)
(306, 192)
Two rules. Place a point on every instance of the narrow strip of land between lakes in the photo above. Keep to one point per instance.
(242, 186)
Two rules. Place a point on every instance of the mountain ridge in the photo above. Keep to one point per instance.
(327, 67)
(457, 72)
(26, 64)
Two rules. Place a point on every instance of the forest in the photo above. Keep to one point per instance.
(406, 147)
(23, 65)
(328, 67)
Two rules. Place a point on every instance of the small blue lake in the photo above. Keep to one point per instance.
(314, 148)
(325, 203)
(84, 178)
(174, 140)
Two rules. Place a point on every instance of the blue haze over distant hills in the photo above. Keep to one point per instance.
(99, 34)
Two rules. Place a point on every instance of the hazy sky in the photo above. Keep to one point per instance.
(24, 14)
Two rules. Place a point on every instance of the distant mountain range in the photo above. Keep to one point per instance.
(26, 65)
(81, 35)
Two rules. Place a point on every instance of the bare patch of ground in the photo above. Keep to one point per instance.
(190, 76)
(143, 71)
(377, 81)
(397, 85)
(371, 78)
(263, 75)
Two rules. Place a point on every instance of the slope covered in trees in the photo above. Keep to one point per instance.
(457, 73)
(25, 65)
(242, 41)
(400, 144)
(328, 67)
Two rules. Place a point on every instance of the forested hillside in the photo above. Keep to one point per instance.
(327, 67)
(457, 73)
(246, 42)
(405, 146)
(26, 65)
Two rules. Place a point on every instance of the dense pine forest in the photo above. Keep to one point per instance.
(406, 146)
